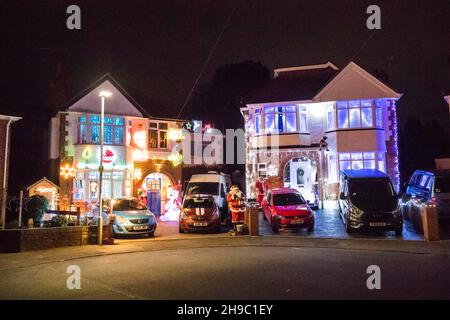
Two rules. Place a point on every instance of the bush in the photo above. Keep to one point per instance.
(59, 221)
(35, 209)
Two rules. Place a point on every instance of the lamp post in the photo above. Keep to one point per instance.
(103, 95)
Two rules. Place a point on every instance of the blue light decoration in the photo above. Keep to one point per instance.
(395, 137)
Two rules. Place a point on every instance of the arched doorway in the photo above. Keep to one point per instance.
(300, 173)
(157, 188)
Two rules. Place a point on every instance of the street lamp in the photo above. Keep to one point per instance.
(103, 95)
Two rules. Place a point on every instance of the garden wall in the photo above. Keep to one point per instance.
(17, 240)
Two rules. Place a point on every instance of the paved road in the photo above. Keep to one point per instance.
(236, 272)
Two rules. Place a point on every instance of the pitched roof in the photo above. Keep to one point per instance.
(44, 179)
(295, 85)
(323, 82)
(142, 103)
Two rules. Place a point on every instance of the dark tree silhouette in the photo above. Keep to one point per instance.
(220, 99)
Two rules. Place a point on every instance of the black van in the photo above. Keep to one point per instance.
(367, 200)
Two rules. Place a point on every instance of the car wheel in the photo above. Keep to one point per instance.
(264, 216)
(151, 234)
(311, 228)
(275, 230)
(218, 229)
(399, 232)
(180, 230)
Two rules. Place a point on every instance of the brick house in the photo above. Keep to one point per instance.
(287, 119)
(5, 142)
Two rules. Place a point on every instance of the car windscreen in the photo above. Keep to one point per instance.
(442, 185)
(378, 195)
(288, 199)
(198, 203)
(203, 188)
(128, 205)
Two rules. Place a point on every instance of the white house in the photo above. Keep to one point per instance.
(287, 119)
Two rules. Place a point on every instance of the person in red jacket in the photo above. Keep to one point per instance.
(236, 204)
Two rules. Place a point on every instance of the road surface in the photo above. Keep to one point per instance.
(234, 272)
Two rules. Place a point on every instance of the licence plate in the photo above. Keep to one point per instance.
(140, 227)
(377, 224)
(200, 224)
(297, 221)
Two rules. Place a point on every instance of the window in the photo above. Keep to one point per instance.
(280, 119)
(332, 168)
(381, 162)
(257, 120)
(354, 114)
(262, 167)
(89, 131)
(378, 114)
(79, 189)
(157, 135)
(357, 160)
(303, 119)
(330, 117)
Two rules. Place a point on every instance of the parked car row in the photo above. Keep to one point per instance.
(367, 200)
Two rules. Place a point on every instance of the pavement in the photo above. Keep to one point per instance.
(323, 264)
(266, 267)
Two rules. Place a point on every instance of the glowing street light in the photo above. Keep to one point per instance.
(103, 95)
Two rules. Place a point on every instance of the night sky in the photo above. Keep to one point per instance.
(159, 48)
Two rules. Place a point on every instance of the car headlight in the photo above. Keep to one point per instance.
(121, 220)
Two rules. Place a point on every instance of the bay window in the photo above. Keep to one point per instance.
(354, 114)
(89, 130)
(303, 119)
(332, 168)
(361, 160)
(257, 120)
(280, 119)
(330, 117)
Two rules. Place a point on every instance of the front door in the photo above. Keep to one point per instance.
(154, 195)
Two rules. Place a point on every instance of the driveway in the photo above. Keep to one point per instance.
(328, 224)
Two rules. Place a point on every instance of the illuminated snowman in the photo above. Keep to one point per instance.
(172, 205)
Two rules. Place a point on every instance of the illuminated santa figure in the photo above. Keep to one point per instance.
(172, 206)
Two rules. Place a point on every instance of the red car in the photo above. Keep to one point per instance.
(199, 213)
(285, 208)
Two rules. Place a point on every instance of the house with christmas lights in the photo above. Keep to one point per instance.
(141, 156)
(310, 122)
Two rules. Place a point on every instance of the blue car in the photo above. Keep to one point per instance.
(132, 218)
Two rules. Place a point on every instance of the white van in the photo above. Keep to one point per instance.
(212, 183)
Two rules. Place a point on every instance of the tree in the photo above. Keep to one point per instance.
(220, 99)
(35, 208)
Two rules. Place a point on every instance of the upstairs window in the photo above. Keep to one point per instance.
(257, 120)
(280, 119)
(354, 114)
(303, 119)
(89, 130)
(157, 135)
(330, 117)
